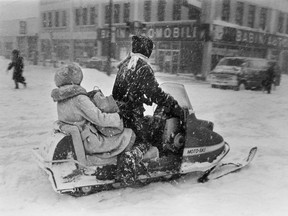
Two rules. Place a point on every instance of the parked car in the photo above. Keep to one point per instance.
(239, 73)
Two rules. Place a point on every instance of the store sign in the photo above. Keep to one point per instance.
(117, 33)
(233, 35)
(182, 32)
(179, 32)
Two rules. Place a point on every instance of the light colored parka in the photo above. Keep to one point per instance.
(75, 107)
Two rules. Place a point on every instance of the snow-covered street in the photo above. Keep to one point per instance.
(244, 118)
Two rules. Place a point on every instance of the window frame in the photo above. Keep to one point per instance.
(116, 13)
(225, 13)
(263, 18)
(57, 19)
(77, 14)
(64, 18)
(126, 12)
(161, 10)
(84, 16)
(44, 20)
(176, 14)
(147, 10)
(251, 16)
(238, 16)
(280, 22)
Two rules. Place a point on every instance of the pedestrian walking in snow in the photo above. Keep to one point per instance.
(270, 76)
(136, 85)
(18, 65)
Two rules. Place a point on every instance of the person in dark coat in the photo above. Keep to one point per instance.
(270, 76)
(136, 85)
(18, 65)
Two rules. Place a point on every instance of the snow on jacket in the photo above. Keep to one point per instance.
(136, 85)
(74, 107)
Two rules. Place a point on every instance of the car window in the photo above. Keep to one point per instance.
(231, 62)
(257, 64)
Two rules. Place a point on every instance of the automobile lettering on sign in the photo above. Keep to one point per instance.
(194, 151)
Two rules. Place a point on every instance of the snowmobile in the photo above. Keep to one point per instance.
(186, 145)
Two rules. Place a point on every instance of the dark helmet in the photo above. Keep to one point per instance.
(142, 44)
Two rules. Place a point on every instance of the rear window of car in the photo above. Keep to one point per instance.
(257, 63)
(231, 62)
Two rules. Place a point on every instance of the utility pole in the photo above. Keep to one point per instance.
(108, 65)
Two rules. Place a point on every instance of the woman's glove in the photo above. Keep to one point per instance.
(92, 93)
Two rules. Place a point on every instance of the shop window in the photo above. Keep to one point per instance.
(117, 13)
(225, 10)
(77, 16)
(44, 20)
(161, 10)
(56, 18)
(280, 22)
(84, 16)
(64, 18)
(107, 14)
(263, 18)
(50, 19)
(92, 15)
(251, 16)
(193, 13)
(175, 46)
(126, 12)
(147, 11)
(177, 10)
(239, 13)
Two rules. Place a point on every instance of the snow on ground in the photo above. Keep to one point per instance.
(244, 118)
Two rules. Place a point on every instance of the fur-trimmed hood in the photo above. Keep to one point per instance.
(67, 91)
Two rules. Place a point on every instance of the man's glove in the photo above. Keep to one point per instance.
(178, 111)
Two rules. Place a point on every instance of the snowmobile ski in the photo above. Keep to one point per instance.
(223, 169)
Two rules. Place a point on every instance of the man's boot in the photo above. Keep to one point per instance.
(128, 163)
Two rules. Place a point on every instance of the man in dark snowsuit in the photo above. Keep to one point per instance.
(270, 76)
(134, 86)
(17, 63)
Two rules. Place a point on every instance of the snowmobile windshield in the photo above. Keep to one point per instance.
(179, 93)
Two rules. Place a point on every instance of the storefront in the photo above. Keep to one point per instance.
(84, 48)
(231, 41)
(176, 46)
